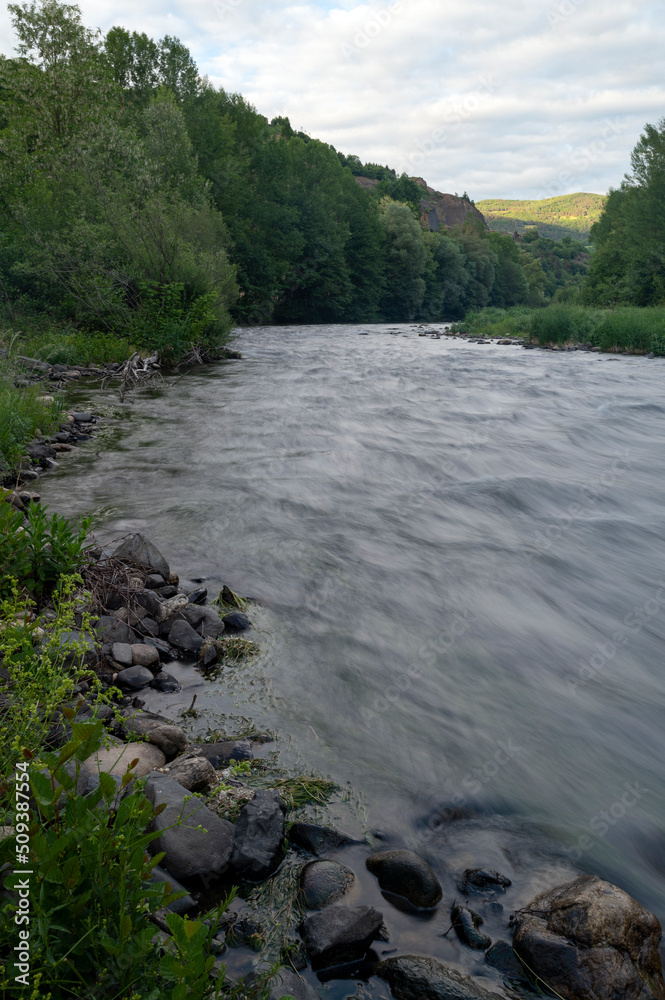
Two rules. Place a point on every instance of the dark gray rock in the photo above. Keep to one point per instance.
(135, 678)
(318, 840)
(339, 934)
(221, 754)
(236, 621)
(110, 630)
(257, 847)
(589, 940)
(148, 628)
(138, 551)
(183, 637)
(165, 682)
(289, 984)
(166, 652)
(122, 653)
(411, 977)
(148, 600)
(170, 739)
(193, 773)
(467, 926)
(80, 417)
(204, 618)
(482, 881)
(183, 905)
(198, 596)
(324, 882)
(406, 874)
(195, 841)
(501, 956)
(154, 581)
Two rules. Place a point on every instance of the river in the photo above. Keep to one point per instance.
(459, 555)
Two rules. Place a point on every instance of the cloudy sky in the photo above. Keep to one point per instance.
(519, 98)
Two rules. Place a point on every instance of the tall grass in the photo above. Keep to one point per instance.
(22, 414)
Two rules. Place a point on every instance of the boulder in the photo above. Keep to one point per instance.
(412, 977)
(109, 629)
(290, 984)
(168, 608)
(318, 839)
(184, 638)
(589, 940)
(324, 882)
(257, 847)
(204, 618)
(170, 739)
(134, 678)
(339, 934)
(138, 551)
(149, 602)
(195, 841)
(165, 652)
(236, 621)
(122, 653)
(182, 905)
(406, 874)
(144, 655)
(193, 773)
(221, 754)
(117, 758)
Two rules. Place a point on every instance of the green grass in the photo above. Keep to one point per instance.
(23, 413)
(67, 347)
(492, 322)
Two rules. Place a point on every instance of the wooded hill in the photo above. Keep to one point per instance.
(568, 215)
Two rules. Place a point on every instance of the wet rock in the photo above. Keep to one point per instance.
(198, 596)
(318, 839)
(148, 628)
(467, 926)
(193, 773)
(289, 984)
(165, 682)
(340, 934)
(183, 636)
(144, 655)
(165, 651)
(183, 905)
(324, 882)
(210, 653)
(167, 592)
(406, 874)
(501, 956)
(154, 581)
(236, 621)
(138, 551)
(221, 754)
(482, 880)
(412, 977)
(122, 653)
(168, 608)
(134, 678)
(257, 848)
(205, 618)
(80, 417)
(195, 841)
(117, 758)
(589, 940)
(149, 600)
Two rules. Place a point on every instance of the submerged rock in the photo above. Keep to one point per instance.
(467, 927)
(318, 839)
(340, 934)
(406, 874)
(411, 977)
(324, 882)
(590, 940)
(289, 984)
(482, 880)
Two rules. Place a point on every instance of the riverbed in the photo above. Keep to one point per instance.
(458, 554)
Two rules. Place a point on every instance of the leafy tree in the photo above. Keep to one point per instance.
(406, 261)
(510, 286)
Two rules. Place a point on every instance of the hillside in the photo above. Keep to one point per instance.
(568, 215)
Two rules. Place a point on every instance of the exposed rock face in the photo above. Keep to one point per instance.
(406, 874)
(413, 978)
(257, 849)
(439, 211)
(589, 940)
(340, 934)
(188, 850)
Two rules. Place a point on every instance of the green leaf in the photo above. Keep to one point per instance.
(42, 788)
(107, 785)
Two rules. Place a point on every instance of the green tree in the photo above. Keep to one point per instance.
(406, 261)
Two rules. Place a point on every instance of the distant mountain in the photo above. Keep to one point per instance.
(568, 215)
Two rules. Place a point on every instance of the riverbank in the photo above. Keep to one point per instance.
(407, 931)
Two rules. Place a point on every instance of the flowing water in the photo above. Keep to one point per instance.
(459, 554)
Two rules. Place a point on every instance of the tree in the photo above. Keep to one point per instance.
(406, 260)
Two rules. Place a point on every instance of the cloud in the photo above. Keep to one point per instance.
(524, 97)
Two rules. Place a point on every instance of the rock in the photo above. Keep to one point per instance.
(193, 773)
(290, 984)
(170, 739)
(188, 850)
(318, 839)
(502, 957)
(75, 647)
(482, 880)
(210, 653)
(165, 652)
(324, 882)
(144, 655)
(236, 621)
(148, 628)
(154, 581)
(134, 678)
(167, 592)
(183, 636)
(589, 940)
(200, 615)
(120, 755)
(165, 682)
(138, 551)
(122, 654)
(257, 847)
(221, 754)
(411, 977)
(340, 934)
(168, 608)
(406, 874)
(467, 924)
(198, 596)
(79, 417)
(109, 629)
(150, 602)
(182, 905)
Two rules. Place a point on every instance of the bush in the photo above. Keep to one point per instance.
(563, 324)
(632, 329)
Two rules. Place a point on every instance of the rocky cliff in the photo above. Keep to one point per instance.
(437, 210)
